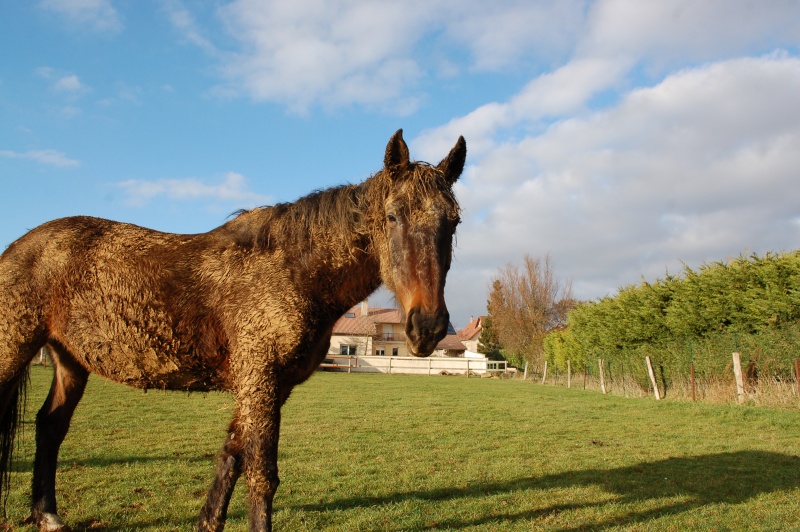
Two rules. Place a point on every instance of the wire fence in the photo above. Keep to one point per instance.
(705, 370)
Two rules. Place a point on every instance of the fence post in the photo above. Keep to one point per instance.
(602, 375)
(525, 375)
(691, 366)
(569, 373)
(797, 375)
(737, 371)
(544, 375)
(390, 366)
(652, 377)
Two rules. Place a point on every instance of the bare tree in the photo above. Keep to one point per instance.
(524, 304)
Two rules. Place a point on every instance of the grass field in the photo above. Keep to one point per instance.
(393, 452)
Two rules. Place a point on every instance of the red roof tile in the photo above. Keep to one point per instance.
(354, 324)
(473, 329)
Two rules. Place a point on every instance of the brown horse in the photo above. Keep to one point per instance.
(247, 307)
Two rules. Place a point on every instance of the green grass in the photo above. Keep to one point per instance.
(380, 452)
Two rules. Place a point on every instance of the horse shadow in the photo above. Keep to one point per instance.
(696, 481)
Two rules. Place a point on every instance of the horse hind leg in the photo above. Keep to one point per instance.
(229, 468)
(52, 424)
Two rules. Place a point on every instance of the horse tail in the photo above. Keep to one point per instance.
(12, 410)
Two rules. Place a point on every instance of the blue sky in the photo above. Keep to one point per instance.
(624, 138)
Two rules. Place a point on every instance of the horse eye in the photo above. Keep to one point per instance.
(392, 218)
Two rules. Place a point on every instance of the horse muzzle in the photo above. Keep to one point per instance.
(424, 331)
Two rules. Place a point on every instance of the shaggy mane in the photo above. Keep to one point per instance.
(332, 217)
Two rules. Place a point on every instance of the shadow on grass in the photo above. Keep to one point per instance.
(26, 466)
(728, 478)
(725, 478)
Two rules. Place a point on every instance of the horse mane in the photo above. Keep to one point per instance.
(343, 216)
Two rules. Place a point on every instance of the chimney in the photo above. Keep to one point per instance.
(471, 319)
(364, 308)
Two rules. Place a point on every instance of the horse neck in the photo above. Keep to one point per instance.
(325, 242)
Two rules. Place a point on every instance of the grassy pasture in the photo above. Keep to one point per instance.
(394, 452)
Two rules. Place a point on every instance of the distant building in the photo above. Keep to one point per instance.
(364, 331)
(471, 334)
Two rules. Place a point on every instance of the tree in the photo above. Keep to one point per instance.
(525, 303)
(488, 342)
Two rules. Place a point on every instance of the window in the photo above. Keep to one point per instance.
(380, 351)
(347, 350)
(395, 351)
(350, 315)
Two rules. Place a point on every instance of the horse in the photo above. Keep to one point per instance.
(247, 308)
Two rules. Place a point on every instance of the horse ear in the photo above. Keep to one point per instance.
(453, 164)
(396, 151)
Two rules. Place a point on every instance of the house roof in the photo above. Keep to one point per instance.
(472, 330)
(355, 323)
(452, 342)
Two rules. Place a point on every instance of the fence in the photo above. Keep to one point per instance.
(741, 382)
(414, 365)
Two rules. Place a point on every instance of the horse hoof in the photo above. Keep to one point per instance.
(51, 523)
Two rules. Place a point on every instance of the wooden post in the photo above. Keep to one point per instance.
(569, 374)
(525, 375)
(737, 371)
(652, 377)
(691, 366)
(797, 375)
(602, 375)
(544, 375)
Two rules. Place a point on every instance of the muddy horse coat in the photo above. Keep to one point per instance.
(247, 307)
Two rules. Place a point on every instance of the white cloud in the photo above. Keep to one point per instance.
(183, 21)
(554, 94)
(48, 157)
(233, 188)
(698, 167)
(97, 15)
(308, 53)
(670, 33)
(69, 83)
(499, 34)
(65, 83)
(383, 54)
(616, 43)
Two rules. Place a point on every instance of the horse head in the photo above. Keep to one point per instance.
(418, 217)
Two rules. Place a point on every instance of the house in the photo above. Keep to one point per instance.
(471, 334)
(365, 331)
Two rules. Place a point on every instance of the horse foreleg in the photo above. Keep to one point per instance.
(229, 467)
(259, 424)
(52, 424)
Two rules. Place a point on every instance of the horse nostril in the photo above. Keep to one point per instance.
(426, 327)
(412, 323)
(442, 324)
